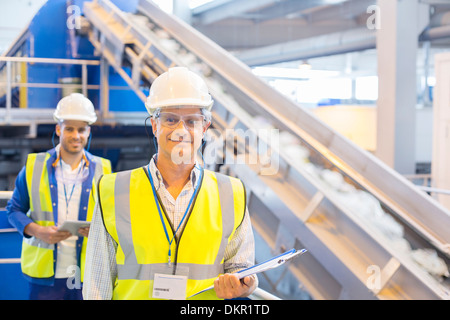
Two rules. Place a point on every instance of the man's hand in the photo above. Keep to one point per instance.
(49, 234)
(84, 231)
(228, 286)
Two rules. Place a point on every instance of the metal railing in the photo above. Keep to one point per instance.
(9, 81)
(5, 195)
(424, 182)
(434, 190)
(260, 294)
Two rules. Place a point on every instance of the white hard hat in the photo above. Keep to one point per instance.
(178, 87)
(75, 107)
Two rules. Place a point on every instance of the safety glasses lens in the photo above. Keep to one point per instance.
(172, 120)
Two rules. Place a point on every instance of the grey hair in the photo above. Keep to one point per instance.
(207, 114)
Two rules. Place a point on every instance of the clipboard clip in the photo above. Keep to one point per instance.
(271, 263)
(284, 258)
(290, 256)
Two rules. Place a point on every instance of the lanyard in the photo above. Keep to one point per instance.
(160, 214)
(64, 185)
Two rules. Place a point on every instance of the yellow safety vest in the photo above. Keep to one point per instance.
(131, 217)
(37, 259)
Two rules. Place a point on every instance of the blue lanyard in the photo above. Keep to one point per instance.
(64, 185)
(159, 209)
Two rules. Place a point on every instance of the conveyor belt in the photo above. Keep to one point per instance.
(370, 233)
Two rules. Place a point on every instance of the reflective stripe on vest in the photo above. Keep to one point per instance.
(41, 208)
(37, 256)
(131, 218)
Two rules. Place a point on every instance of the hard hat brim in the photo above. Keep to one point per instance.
(179, 103)
(90, 120)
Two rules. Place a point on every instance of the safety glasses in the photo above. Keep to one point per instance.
(191, 121)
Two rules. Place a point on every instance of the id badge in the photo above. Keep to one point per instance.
(167, 285)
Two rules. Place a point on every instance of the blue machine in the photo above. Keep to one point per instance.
(13, 285)
(49, 37)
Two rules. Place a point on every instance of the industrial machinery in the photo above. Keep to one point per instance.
(370, 233)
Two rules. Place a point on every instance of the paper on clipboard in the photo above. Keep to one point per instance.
(264, 266)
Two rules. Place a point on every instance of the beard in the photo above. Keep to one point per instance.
(72, 148)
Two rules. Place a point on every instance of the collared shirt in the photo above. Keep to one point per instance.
(69, 193)
(175, 208)
(101, 268)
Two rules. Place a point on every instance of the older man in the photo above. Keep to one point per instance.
(53, 187)
(171, 229)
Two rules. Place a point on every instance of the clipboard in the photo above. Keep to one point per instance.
(263, 266)
(271, 263)
(73, 226)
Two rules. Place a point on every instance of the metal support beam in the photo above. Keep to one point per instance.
(104, 88)
(181, 10)
(84, 79)
(8, 92)
(324, 45)
(397, 46)
(441, 124)
(231, 9)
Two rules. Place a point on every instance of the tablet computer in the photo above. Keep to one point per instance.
(73, 226)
